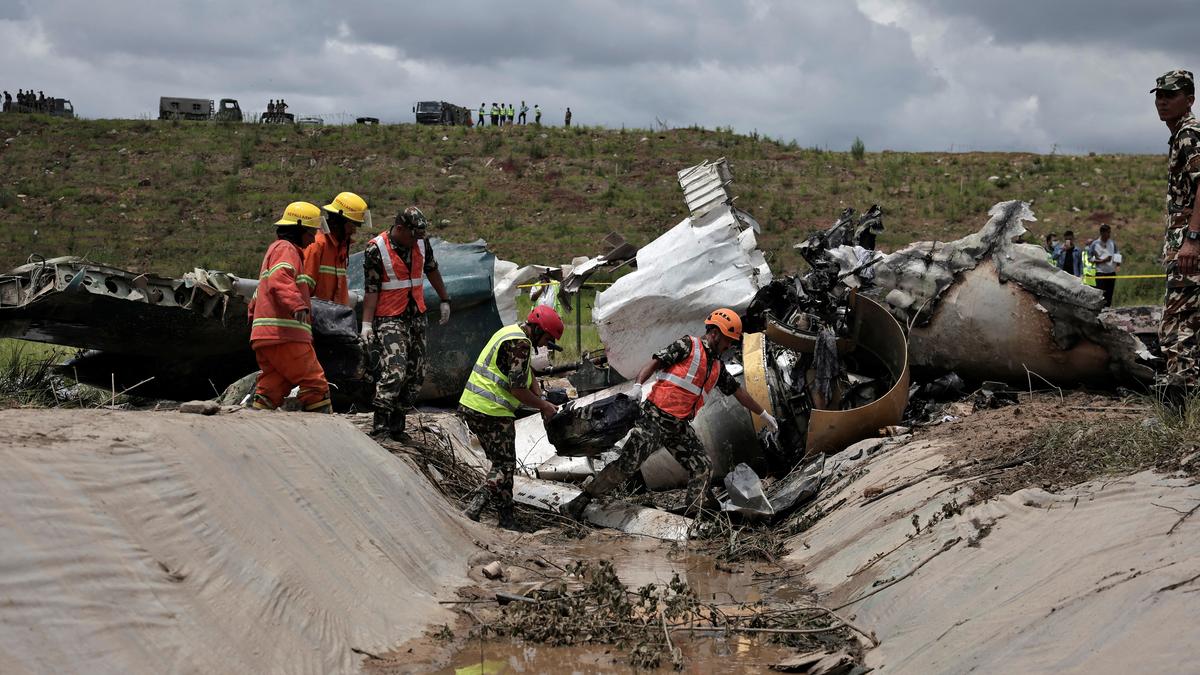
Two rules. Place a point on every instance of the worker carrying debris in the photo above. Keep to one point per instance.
(501, 380)
(395, 265)
(280, 316)
(326, 258)
(684, 373)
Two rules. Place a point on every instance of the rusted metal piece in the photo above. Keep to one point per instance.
(991, 330)
(880, 334)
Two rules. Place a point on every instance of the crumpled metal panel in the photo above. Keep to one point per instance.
(705, 186)
(692, 269)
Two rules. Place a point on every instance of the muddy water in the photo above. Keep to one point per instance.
(641, 561)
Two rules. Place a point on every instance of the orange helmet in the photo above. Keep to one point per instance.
(727, 321)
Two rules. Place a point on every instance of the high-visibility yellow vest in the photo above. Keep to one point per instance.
(495, 110)
(1089, 269)
(487, 389)
(510, 111)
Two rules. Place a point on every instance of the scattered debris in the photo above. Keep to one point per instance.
(200, 407)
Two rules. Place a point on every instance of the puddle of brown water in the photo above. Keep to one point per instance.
(736, 656)
(640, 561)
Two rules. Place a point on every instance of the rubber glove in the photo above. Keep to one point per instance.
(769, 420)
(445, 318)
(368, 332)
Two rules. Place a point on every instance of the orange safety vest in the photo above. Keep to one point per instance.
(282, 291)
(680, 389)
(400, 281)
(325, 261)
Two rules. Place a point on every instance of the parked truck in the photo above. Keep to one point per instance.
(441, 112)
(179, 108)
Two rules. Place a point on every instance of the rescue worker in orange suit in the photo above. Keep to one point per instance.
(680, 377)
(326, 258)
(395, 265)
(281, 325)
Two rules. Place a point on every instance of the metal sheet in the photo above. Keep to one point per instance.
(990, 330)
(704, 186)
(619, 515)
(879, 333)
(692, 269)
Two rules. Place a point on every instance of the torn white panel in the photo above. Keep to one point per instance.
(692, 269)
(617, 514)
(506, 277)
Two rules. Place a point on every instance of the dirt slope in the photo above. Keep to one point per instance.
(137, 542)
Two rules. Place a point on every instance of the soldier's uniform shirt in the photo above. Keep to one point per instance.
(657, 429)
(399, 343)
(497, 435)
(1179, 333)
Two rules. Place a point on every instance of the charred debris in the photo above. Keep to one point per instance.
(829, 350)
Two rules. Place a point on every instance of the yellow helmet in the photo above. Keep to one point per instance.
(350, 205)
(304, 214)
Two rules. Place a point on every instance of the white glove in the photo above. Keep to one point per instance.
(770, 421)
(644, 391)
(445, 314)
(368, 332)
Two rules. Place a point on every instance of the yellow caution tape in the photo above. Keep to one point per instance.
(1134, 276)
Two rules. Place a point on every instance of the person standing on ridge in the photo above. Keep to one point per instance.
(280, 316)
(567, 118)
(524, 109)
(395, 265)
(1179, 334)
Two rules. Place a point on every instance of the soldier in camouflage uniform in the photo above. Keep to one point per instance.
(394, 322)
(684, 373)
(1174, 94)
(501, 380)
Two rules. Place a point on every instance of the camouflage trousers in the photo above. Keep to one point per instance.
(399, 346)
(498, 436)
(1179, 336)
(656, 429)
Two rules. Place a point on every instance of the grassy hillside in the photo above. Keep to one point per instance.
(169, 196)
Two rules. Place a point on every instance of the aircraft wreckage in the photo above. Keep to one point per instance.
(829, 351)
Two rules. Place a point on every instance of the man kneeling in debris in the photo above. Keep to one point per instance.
(501, 380)
(281, 326)
(684, 373)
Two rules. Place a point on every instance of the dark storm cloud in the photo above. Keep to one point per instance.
(1148, 24)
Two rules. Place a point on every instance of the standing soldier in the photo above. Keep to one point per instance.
(500, 382)
(1179, 334)
(524, 109)
(395, 265)
(537, 115)
(480, 123)
(281, 327)
(7, 101)
(684, 374)
(567, 118)
(326, 258)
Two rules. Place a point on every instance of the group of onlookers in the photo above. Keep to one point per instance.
(27, 101)
(1096, 262)
(505, 114)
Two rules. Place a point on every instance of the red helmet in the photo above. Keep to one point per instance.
(548, 320)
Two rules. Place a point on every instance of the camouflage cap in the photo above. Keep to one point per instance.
(1174, 80)
(413, 219)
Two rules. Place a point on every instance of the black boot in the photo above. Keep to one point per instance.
(381, 422)
(506, 519)
(475, 506)
(396, 426)
(574, 508)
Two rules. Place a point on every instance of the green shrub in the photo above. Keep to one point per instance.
(857, 149)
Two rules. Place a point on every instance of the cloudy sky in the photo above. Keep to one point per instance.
(1039, 75)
